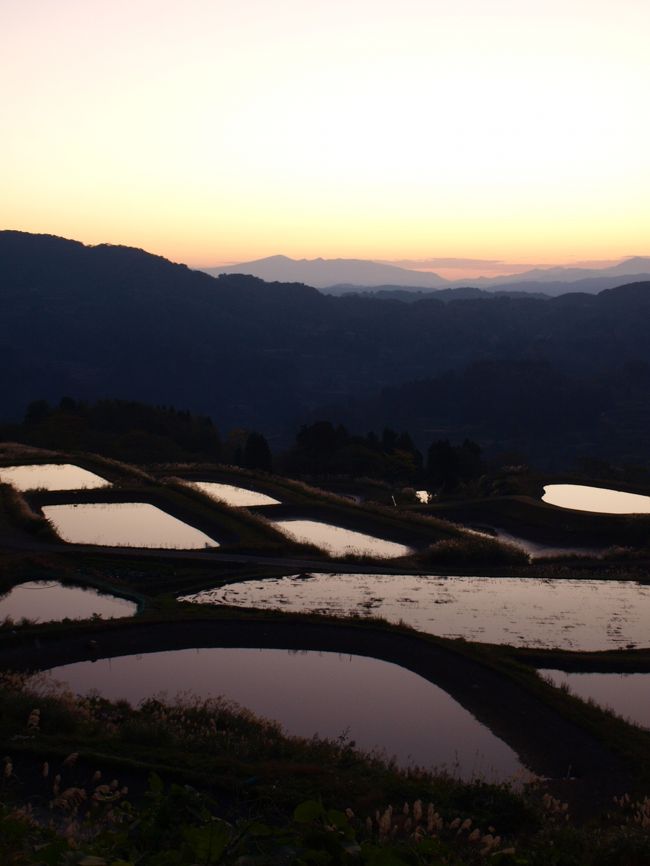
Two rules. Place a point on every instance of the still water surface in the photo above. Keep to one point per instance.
(51, 476)
(47, 601)
(538, 549)
(377, 704)
(598, 499)
(238, 496)
(128, 524)
(339, 541)
(571, 614)
(626, 694)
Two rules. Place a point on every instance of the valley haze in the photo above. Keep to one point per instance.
(337, 275)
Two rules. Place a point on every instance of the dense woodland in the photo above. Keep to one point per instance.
(136, 432)
(555, 380)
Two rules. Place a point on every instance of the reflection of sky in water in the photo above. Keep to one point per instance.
(43, 602)
(129, 524)
(626, 694)
(377, 704)
(598, 499)
(572, 614)
(239, 496)
(51, 476)
(537, 549)
(338, 541)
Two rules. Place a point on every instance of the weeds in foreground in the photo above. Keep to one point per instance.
(64, 810)
(180, 826)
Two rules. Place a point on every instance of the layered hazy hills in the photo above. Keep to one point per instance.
(323, 273)
(342, 276)
(105, 321)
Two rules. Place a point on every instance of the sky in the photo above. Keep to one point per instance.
(213, 131)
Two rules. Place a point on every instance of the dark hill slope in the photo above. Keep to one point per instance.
(111, 321)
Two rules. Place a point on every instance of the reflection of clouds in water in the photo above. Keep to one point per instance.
(571, 614)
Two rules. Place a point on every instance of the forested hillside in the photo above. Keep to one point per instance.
(106, 322)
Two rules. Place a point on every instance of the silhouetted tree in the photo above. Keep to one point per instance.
(372, 440)
(257, 454)
(317, 443)
(442, 464)
(67, 404)
(37, 412)
(121, 428)
(470, 462)
(388, 440)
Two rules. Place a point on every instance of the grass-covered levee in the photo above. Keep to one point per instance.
(186, 782)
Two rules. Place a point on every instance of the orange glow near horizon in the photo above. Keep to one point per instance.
(211, 132)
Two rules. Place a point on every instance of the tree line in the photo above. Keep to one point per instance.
(142, 433)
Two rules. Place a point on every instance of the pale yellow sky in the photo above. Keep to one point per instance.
(212, 131)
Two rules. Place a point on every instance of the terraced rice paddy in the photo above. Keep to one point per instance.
(569, 614)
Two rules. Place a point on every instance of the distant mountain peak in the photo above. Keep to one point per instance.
(323, 273)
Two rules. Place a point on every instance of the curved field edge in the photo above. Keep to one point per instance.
(589, 754)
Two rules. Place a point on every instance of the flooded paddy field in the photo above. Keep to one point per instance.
(50, 601)
(339, 541)
(600, 500)
(51, 476)
(584, 615)
(628, 694)
(378, 705)
(128, 524)
(233, 495)
(540, 549)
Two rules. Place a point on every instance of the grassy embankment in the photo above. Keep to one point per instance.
(254, 771)
(493, 682)
(520, 510)
(435, 542)
(66, 810)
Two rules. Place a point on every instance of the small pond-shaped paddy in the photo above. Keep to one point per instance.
(237, 496)
(626, 694)
(377, 704)
(124, 524)
(48, 601)
(339, 541)
(51, 476)
(597, 499)
(571, 614)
